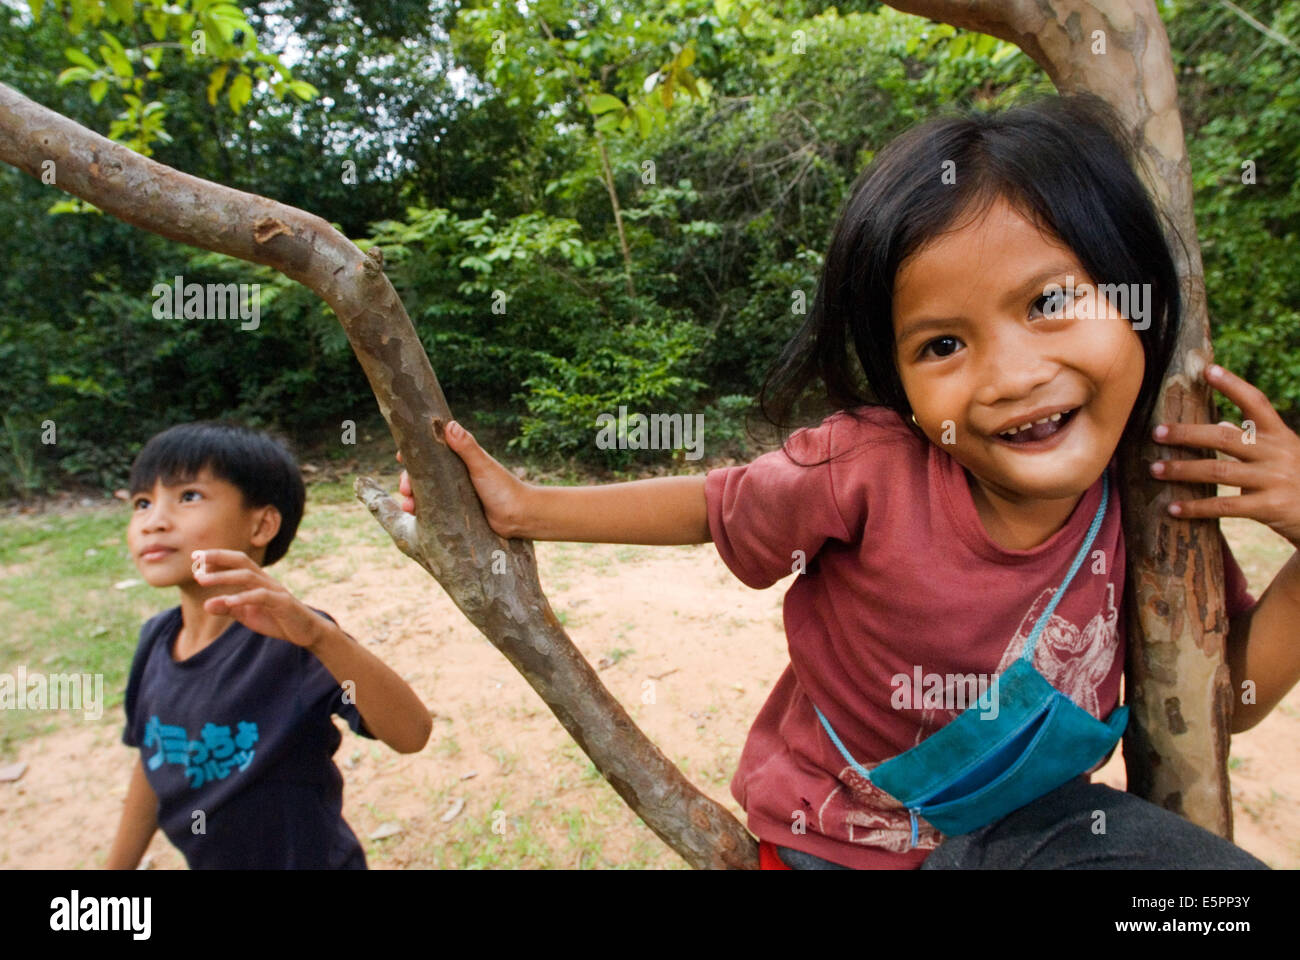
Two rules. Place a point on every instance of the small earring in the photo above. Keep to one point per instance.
(914, 419)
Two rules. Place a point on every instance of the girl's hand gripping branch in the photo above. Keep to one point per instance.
(1262, 650)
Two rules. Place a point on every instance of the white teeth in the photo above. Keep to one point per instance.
(1025, 426)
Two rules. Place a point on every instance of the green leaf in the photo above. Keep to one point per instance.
(1004, 51)
(644, 120)
(686, 80)
(216, 80)
(77, 57)
(36, 7)
(66, 206)
(604, 102)
(73, 74)
(723, 7)
(303, 90)
(97, 90)
(241, 91)
(157, 23)
(116, 59)
(125, 10)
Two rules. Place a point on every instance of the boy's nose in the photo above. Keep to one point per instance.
(155, 518)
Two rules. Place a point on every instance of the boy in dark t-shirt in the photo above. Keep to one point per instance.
(231, 693)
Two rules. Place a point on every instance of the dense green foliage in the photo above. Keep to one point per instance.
(472, 144)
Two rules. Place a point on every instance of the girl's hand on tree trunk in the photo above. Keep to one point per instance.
(1266, 465)
(500, 491)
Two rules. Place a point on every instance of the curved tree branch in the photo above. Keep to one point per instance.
(1177, 683)
(451, 538)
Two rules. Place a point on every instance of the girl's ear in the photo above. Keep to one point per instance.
(268, 525)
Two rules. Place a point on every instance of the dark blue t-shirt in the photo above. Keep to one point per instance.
(242, 732)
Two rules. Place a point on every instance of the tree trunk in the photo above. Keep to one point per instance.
(1177, 683)
(451, 538)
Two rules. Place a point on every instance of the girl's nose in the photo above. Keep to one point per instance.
(1014, 367)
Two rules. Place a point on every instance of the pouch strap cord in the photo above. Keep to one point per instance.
(1033, 638)
(1032, 642)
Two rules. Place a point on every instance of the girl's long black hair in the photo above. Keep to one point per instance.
(1064, 162)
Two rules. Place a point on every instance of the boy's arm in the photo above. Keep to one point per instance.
(1264, 647)
(665, 510)
(391, 709)
(138, 824)
(389, 706)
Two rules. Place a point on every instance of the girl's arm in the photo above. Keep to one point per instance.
(1264, 648)
(665, 510)
(138, 824)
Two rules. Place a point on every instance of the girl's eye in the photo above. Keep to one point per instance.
(1053, 305)
(186, 493)
(141, 503)
(939, 352)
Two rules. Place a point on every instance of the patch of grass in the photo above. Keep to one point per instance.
(61, 611)
(329, 492)
(498, 841)
(506, 761)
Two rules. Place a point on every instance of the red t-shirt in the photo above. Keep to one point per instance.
(901, 584)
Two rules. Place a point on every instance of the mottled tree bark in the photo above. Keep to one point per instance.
(1177, 683)
(451, 538)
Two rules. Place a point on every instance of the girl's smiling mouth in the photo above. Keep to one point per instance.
(1043, 433)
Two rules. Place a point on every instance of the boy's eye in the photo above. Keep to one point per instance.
(186, 493)
(140, 503)
(941, 351)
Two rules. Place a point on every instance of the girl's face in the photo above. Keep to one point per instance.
(981, 350)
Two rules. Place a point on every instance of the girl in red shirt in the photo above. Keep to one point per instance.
(996, 312)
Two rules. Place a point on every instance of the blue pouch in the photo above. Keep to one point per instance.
(979, 768)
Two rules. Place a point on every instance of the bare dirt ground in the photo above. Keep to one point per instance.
(673, 617)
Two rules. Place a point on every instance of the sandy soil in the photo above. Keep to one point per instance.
(672, 613)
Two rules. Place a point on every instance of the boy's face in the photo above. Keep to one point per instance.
(168, 523)
(1000, 355)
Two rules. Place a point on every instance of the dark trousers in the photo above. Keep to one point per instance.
(1062, 831)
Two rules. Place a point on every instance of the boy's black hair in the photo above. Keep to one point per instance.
(1063, 162)
(261, 467)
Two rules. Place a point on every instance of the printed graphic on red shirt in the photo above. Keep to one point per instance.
(871, 817)
(1074, 661)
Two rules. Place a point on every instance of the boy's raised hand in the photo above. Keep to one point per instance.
(500, 491)
(254, 599)
(1266, 468)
